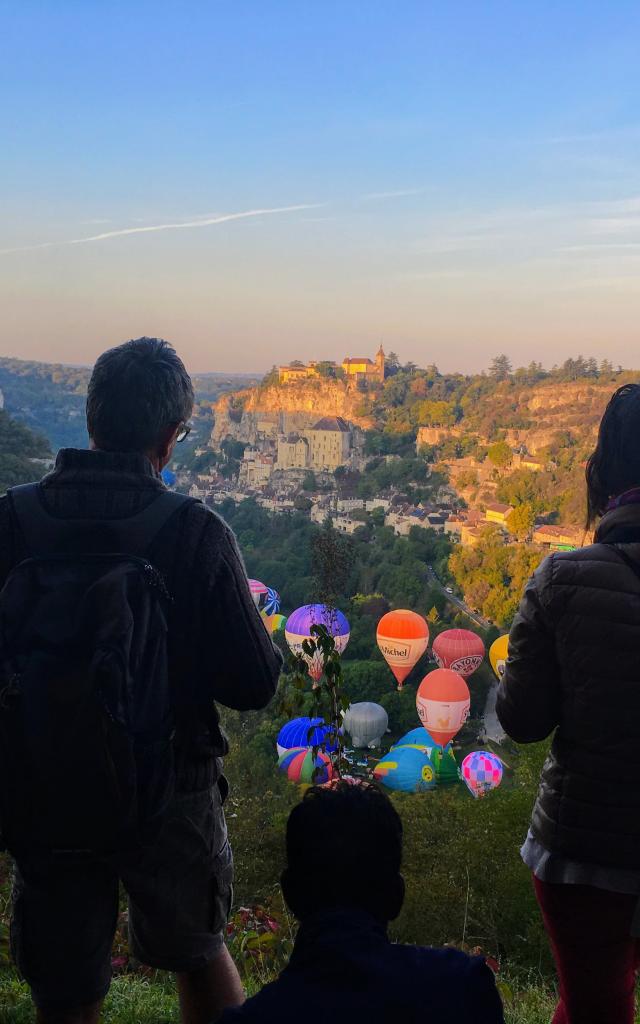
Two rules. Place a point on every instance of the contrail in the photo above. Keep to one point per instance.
(221, 219)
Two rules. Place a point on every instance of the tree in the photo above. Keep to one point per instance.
(500, 454)
(521, 520)
(271, 378)
(309, 482)
(500, 368)
(326, 369)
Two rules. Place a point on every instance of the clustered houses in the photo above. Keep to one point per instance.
(358, 368)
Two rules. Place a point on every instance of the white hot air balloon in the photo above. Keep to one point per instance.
(366, 723)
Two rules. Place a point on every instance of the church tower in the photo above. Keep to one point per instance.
(380, 364)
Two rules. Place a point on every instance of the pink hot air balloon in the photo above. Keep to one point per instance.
(258, 592)
(481, 771)
(460, 650)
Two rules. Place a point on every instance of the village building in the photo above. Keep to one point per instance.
(558, 538)
(498, 513)
(355, 368)
(329, 443)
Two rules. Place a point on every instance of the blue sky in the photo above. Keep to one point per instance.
(452, 178)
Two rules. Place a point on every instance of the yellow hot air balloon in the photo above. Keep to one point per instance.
(498, 654)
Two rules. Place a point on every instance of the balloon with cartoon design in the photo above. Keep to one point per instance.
(443, 702)
(407, 769)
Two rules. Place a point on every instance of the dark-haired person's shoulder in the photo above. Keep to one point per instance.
(466, 984)
(6, 553)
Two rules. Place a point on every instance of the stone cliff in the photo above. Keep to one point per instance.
(269, 411)
(574, 408)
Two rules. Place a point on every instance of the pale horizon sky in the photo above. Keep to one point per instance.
(266, 180)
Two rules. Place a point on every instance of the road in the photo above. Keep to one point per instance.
(492, 730)
(456, 602)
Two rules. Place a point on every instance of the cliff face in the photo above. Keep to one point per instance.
(568, 408)
(285, 408)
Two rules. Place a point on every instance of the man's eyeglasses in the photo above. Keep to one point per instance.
(183, 432)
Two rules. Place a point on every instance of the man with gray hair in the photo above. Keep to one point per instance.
(110, 503)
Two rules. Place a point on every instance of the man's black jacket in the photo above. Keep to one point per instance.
(219, 649)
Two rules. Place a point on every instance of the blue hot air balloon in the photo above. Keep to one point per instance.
(168, 476)
(407, 769)
(296, 733)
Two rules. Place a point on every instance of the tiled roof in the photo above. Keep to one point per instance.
(335, 423)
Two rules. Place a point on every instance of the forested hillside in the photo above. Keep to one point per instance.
(19, 447)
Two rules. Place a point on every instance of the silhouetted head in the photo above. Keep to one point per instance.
(140, 398)
(344, 849)
(614, 466)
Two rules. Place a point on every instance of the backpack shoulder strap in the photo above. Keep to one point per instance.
(44, 533)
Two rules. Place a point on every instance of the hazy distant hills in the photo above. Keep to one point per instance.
(50, 397)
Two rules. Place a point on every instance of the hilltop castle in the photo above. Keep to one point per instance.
(358, 368)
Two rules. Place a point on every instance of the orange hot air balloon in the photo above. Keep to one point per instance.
(442, 702)
(460, 650)
(402, 637)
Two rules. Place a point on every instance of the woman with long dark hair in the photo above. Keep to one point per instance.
(574, 671)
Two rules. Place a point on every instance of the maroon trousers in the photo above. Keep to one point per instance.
(596, 957)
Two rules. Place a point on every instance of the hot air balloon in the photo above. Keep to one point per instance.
(407, 769)
(258, 593)
(445, 764)
(303, 732)
(482, 772)
(271, 602)
(168, 476)
(442, 702)
(460, 650)
(443, 758)
(402, 637)
(418, 738)
(498, 654)
(366, 723)
(301, 766)
(298, 629)
(276, 622)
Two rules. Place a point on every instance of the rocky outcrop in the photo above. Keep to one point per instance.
(285, 408)
(561, 408)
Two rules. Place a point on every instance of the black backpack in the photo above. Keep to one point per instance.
(86, 709)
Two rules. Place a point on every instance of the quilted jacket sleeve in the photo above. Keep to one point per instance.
(529, 696)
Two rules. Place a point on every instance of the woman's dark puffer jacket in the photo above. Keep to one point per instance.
(574, 666)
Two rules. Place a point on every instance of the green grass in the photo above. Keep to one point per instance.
(138, 1000)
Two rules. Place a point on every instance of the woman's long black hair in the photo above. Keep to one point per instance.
(614, 466)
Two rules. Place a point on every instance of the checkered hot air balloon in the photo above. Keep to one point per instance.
(481, 771)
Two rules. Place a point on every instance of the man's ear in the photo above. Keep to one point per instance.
(166, 444)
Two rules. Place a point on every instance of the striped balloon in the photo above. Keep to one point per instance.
(271, 602)
(301, 766)
(258, 592)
